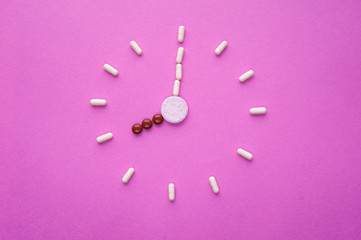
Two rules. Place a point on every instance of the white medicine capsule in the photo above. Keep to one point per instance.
(136, 47)
(171, 191)
(98, 102)
(128, 175)
(258, 110)
(214, 185)
(104, 137)
(246, 75)
(245, 154)
(180, 55)
(178, 72)
(181, 34)
(110, 69)
(176, 88)
(221, 47)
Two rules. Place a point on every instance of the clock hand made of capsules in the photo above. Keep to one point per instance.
(174, 109)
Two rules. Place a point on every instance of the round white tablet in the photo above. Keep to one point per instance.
(174, 109)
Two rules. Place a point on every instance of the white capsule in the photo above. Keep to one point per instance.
(178, 72)
(128, 175)
(98, 102)
(181, 34)
(110, 69)
(171, 191)
(246, 75)
(176, 88)
(221, 47)
(214, 184)
(104, 137)
(258, 110)
(180, 55)
(245, 154)
(136, 47)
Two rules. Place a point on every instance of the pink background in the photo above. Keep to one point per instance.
(58, 183)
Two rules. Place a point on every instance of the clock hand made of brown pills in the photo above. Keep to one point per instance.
(147, 123)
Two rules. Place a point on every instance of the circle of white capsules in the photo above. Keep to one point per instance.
(174, 109)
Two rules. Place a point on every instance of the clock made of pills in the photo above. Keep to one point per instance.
(174, 109)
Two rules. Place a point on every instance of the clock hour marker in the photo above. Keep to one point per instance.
(181, 34)
(104, 137)
(110, 69)
(136, 47)
(98, 102)
(171, 191)
(258, 110)
(221, 47)
(128, 175)
(246, 75)
(214, 185)
(245, 154)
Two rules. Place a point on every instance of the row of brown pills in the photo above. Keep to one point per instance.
(147, 123)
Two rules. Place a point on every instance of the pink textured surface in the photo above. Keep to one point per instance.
(304, 180)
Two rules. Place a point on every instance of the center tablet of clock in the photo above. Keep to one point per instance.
(174, 109)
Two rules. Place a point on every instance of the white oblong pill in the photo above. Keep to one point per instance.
(176, 88)
(98, 102)
(214, 185)
(104, 137)
(128, 175)
(245, 154)
(258, 110)
(171, 191)
(178, 72)
(180, 54)
(246, 75)
(221, 47)
(110, 69)
(136, 47)
(181, 34)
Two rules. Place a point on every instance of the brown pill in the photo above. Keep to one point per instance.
(157, 119)
(137, 128)
(147, 123)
